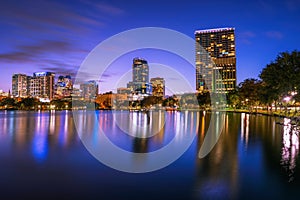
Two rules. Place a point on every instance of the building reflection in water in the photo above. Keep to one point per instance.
(217, 173)
(250, 148)
(172, 138)
(38, 131)
(139, 124)
(290, 148)
(40, 140)
(144, 130)
(245, 128)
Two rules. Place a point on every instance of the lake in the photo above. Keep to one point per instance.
(55, 154)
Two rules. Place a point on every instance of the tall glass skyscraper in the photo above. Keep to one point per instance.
(89, 90)
(215, 60)
(140, 76)
(140, 70)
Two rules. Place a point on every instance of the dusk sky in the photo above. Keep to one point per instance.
(56, 36)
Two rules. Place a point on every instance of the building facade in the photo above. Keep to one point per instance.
(140, 76)
(215, 60)
(140, 70)
(63, 87)
(158, 86)
(20, 85)
(42, 85)
(123, 91)
(89, 90)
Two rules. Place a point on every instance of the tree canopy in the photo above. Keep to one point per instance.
(282, 76)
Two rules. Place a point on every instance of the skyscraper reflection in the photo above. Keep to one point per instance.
(32, 144)
(245, 128)
(39, 129)
(221, 164)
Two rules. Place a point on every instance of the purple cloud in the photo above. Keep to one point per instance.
(274, 34)
(292, 5)
(34, 52)
(101, 7)
(45, 15)
(109, 9)
(246, 36)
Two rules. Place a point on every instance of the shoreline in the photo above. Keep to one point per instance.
(281, 114)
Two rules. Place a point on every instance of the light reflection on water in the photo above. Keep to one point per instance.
(290, 149)
(167, 126)
(245, 128)
(254, 155)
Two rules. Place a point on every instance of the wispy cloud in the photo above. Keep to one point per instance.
(109, 9)
(16, 57)
(246, 37)
(292, 5)
(266, 6)
(102, 7)
(46, 46)
(66, 70)
(274, 34)
(106, 75)
(46, 29)
(34, 52)
(44, 15)
(248, 34)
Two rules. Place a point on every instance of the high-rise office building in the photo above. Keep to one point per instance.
(140, 76)
(158, 86)
(42, 85)
(140, 70)
(89, 90)
(63, 86)
(216, 66)
(20, 85)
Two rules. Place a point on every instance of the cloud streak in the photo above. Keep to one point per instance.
(109, 9)
(63, 70)
(33, 52)
(49, 34)
(246, 37)
(45, 15)
(274, 34)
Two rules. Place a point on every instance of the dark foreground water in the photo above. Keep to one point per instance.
(42, 157)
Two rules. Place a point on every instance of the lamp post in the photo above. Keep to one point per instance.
(247, 105)
(286, 99)
(293, 94)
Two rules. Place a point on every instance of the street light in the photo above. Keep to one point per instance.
(287, 99)
(52, 106)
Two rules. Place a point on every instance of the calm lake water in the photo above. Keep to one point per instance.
(42, 156)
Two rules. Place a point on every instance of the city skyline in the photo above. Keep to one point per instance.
(152, 99)
(60, 37)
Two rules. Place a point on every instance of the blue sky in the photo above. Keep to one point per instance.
(57, 35)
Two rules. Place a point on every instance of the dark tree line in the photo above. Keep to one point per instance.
(35, 104)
